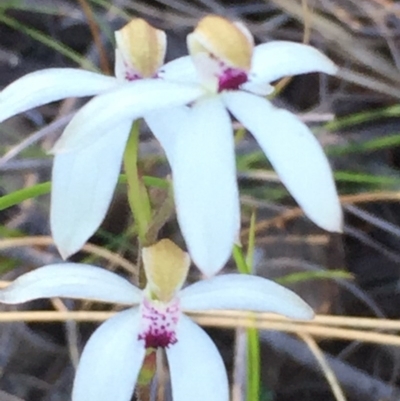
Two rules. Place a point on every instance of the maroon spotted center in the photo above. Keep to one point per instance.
(159, 323)
(231, 79)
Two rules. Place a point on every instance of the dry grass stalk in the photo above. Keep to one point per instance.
(326, 369)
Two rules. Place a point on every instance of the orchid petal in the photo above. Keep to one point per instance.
(277, 59)
(83, 184)
(49, 85)
(274, 60)
(196, 367)
(205, 187)
(244, 292)
(71, 280)
(295, 154)
(163, 124)
(181, 70)
(128, 102)
(111, 360)
(257, 87)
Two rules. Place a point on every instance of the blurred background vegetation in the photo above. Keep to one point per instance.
(356, 117)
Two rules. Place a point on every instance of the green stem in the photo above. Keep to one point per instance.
(160, 217)
(251, 243)
(146, 375)
(137, 194)
(240, 260)
(253, 364)
(244, 265)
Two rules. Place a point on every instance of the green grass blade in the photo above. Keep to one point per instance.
(363, 178)
(240, 260)
(362, 117)
(106, 4)
(372, 145)
(50, 42)
(24, 194)
(16, 197)
(314, 275)
(36, 8)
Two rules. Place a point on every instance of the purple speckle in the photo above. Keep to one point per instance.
(159, 323)
(129, 76)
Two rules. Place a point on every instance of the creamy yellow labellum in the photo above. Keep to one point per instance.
(230, 42)
(142, 47)
(166, 267)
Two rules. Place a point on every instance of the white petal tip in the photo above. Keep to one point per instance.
(333, 225)
(65, 248)
(296, 308)
(209, 274)
(304, 313)
(65, 254)
(337, 230)
(209, 269)
(332, 70)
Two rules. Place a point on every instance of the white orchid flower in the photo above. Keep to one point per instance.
(112, 358)
(83, 181)
(236, 77)
(233, 78)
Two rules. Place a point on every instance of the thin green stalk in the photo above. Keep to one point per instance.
(253, 364)
(240, 260)
(160, 217)
(113, 9)
(244, 265)
(137, 194)
(253, 340)
(34, 191)
(251, 242)
(314, 275)
(16, 197)
(362, 117)
(146, 375)
(36, 8)
(240, 134)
